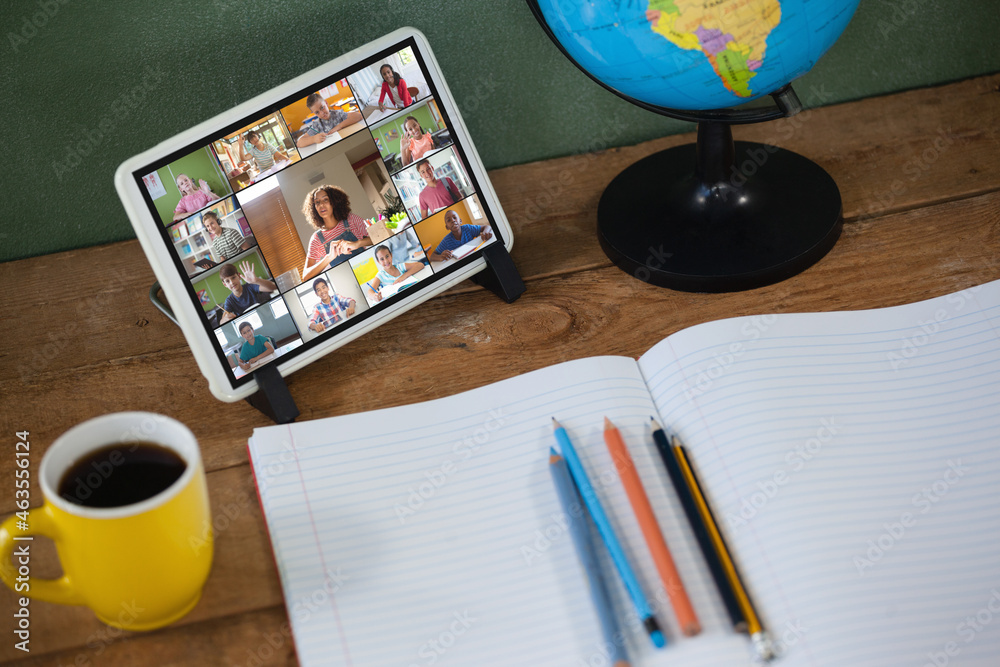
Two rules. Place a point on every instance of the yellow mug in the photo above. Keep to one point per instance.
(139, 566)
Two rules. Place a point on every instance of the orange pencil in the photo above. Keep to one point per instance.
(651, 531)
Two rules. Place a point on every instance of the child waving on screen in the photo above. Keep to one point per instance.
(415, 142)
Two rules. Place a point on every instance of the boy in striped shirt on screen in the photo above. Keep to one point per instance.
(263, 153)
(331, 309)
(226, 242)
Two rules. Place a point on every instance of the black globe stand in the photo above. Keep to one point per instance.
(719, 216)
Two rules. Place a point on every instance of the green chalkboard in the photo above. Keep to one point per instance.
(87, 85)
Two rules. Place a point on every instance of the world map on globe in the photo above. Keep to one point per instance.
(696, 54)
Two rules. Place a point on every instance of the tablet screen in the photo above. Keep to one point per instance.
(309, 216)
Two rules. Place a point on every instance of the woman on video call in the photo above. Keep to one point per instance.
(340, 233)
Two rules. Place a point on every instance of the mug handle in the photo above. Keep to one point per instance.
(40, 522)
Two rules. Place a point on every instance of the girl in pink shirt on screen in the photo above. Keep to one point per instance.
(392, 81)
(192, 199)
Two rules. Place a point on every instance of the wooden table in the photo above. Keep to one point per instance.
(920, 177)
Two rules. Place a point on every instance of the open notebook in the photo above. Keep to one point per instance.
(853, 459)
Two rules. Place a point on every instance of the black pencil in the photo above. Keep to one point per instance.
(698, 526)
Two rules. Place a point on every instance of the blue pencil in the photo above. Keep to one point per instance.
(608, 535)
(572, 504)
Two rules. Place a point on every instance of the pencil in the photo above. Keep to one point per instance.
(700, 531)
(761, 642)
(607, 533)
(572, 505)
(679, 600)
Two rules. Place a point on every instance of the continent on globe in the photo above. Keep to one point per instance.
(731, 33)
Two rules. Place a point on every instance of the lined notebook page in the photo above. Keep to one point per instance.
(854, 460)
(431, 533)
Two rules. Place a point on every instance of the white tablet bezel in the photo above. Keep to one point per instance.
(175, 286)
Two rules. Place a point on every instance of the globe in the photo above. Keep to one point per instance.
(696, 54)
(718, 215)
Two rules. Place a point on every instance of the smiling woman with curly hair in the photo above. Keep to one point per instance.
(339, 232)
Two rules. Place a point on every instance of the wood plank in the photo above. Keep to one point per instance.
(252, 639)
(91, 307)
(897, 259)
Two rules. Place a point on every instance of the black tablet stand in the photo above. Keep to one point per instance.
(273, 398)
(500, 275)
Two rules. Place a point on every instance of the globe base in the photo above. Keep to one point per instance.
(748, 215)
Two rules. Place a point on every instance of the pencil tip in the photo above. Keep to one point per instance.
(554, 456)
(556, 424)
(607, 424)
(762, 645)
(653, 628)
(656, 424)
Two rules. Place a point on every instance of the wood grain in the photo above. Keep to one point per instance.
(251, 639)
(83, 339)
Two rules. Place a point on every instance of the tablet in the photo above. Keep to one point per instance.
(305, 217)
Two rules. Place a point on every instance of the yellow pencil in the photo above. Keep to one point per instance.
(761, 642)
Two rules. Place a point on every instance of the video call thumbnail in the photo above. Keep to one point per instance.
(227, 291)
(407, 137)
(257, 337)
(323, 118)
(326, 302)
(455, 232)
(383, 88)
(433, 184)
(255, 151)
(206, 239)
(390, 267)
(186, 185)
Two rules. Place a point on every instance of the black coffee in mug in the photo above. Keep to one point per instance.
(121, 474)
